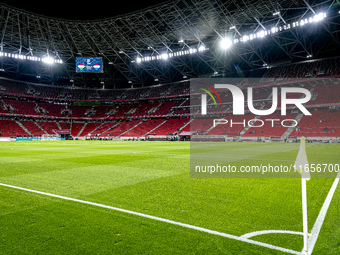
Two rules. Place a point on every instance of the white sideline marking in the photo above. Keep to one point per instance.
(213, 232)
(321, 217)
(263, 232)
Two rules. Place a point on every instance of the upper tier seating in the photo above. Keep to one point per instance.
(322, 123)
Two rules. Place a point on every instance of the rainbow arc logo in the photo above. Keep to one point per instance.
(210, 94)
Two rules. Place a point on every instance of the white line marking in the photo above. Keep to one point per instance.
(213, 232)
(263, 232)
(321, 217)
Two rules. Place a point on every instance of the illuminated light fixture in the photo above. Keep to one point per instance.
(319, 17)
(245, 38)
(309, 56)
(48, 60)
(225, 43)
(201, 48)
(165, 56)
(260, 34)
(251, 36)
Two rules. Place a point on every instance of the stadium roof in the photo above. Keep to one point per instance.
(170, 41)
(80, 11)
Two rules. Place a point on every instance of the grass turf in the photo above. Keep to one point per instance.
(152, 178)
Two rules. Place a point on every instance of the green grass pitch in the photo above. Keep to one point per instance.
(152, 178)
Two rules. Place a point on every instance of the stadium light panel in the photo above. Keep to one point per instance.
(48, 60)
(201, 48)
(165, 56)
(226, 43)
(261, 34)
(319, 17)
(245, 38)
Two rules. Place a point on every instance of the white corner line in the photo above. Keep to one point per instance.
(321, 217)
(213, 232)
(263, 232)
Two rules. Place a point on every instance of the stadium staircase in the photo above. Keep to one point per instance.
(90, 128)
(188, 123)
(107, 129)
(23, 127)
(130, 128)
(94, 130)
(58, 124)
(42, 129)
(247, 127)
(291, 129)
(81, 130)
(209, 129)
(3, 105)
(155, 128)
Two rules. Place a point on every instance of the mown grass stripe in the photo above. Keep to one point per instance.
(213, 232)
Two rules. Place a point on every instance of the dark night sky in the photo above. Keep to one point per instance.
(82, 10)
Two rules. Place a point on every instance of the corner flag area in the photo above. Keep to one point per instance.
(124, 197)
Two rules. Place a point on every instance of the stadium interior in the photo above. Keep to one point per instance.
(162, 111)
(170, 127)
(144, 91)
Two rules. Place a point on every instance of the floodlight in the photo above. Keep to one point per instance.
(201, 48)
(138, 60)
(47, 60)
(225, 43)
(319, 17)
(165, 56)
(245, 38)
(260, 34)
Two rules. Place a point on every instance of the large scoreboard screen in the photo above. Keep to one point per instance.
(89, 65)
